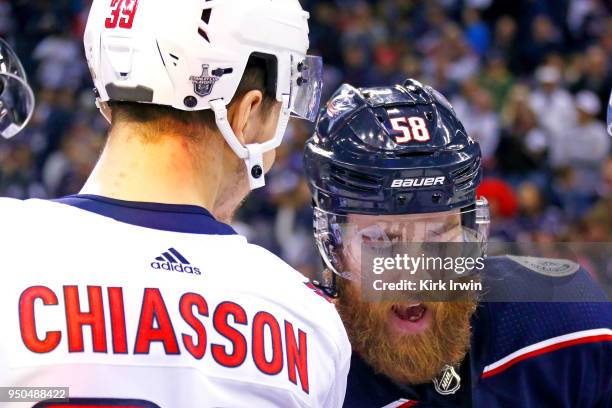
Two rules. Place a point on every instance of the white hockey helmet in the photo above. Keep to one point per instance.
(192, 54)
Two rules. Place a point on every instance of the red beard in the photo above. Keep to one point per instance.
(406, 359)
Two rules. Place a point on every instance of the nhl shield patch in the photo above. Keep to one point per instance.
(203, 84)
(448, 381)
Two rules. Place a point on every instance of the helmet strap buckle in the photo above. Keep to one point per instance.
(252, 154)
(254, 166)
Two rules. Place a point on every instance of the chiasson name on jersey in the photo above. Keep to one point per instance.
(289, 346)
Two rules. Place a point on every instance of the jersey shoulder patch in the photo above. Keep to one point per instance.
(528, 279)
(547, 266)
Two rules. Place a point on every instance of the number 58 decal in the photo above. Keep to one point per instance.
(416, 129)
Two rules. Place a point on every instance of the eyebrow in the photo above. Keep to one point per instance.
(447, 226)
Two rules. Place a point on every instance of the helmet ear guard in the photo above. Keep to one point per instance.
(327, 243)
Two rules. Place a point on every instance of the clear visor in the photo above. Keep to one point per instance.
(16, 96)
(610, 115)
(306, 85)
(341, 238)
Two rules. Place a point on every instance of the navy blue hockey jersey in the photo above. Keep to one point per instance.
(523, 354)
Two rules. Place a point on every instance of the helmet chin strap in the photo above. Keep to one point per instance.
(252, 154)
(105, 110)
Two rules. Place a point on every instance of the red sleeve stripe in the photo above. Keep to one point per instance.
(402, 403)
(547, 346)
(408, 404)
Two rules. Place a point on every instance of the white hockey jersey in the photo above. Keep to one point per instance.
(155, 305)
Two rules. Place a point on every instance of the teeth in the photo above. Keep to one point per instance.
(406, 306)
(415, 318)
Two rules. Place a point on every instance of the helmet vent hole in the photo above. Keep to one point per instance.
(203, 34)
(380, 118)
(206, 15)
(435, 198)
(354, 180)
(429, 116)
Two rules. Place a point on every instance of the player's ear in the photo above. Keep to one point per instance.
(243, 111)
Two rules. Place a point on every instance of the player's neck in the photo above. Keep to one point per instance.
(168, 170)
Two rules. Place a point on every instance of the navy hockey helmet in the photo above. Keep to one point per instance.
(386, 151)
(391, 150)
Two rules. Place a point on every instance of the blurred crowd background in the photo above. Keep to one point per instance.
(529, 78)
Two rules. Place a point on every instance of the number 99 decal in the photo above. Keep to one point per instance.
(416, 129)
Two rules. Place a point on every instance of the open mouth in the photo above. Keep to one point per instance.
(410, 318)
(413, 313)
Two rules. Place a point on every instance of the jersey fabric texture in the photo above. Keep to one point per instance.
(523, 354)
(158, 304)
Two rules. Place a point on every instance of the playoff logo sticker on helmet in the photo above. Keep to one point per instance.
(203, 84)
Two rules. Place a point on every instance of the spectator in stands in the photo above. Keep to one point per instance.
(477, 32)
(569, 194)
(585, 145)
(595, 75)
(461, 62)
(475, 108)
(60, 62)
(523, 146)
(545, 39)
(552, 104)
(506, 43)
(503, 206)
(497, 79)
(536, 216)
(605, 181)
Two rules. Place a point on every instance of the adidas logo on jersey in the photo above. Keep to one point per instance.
(172, 260)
